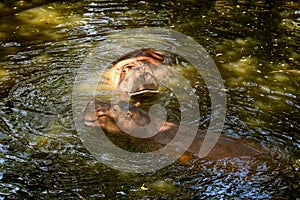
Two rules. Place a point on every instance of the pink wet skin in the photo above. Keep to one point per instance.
(136, 72)
(128, 116)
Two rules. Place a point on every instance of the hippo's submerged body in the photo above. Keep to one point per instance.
(137, 73)
(127, 118)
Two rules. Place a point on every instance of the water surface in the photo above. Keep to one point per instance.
(254, 44)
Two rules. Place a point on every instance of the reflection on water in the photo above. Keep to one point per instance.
(254, 44)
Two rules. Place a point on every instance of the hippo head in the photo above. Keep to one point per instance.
(134, 73)
(98, 113)
(112, 116)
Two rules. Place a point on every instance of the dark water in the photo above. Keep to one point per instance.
(254, 44)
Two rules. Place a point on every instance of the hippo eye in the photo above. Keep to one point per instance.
(115, 109)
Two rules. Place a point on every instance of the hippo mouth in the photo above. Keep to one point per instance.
(96, 113)
(91, 122)
(151, 88)
(144, 91)
(96, 121)
(138, 80)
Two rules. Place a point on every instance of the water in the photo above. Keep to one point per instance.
(255, 46)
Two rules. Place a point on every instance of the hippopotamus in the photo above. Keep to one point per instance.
(124, 117)
(136, 72)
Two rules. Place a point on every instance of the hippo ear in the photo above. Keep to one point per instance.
(137, 104)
